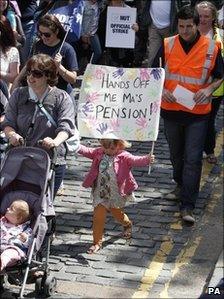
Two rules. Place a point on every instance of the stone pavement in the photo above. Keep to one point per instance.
(157, 231)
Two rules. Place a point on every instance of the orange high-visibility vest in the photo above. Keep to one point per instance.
(192, 70)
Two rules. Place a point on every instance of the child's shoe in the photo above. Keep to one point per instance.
(127, 234)
(94, 248)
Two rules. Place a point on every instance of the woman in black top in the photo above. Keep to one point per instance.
(51, 35)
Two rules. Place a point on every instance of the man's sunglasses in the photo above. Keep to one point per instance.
(45, 34)
(35, 73)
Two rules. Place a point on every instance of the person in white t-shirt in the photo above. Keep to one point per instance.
(9, 55)
(162, 23)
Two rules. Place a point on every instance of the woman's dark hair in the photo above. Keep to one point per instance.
(7, 8)
(188, 12)
(45, 64)
(7, 38)
(52, 22)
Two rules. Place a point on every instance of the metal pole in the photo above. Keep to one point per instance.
(91, 59)
(153, 142)
(151, 153)
(64, 40)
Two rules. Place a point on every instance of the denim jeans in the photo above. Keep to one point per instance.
(96, 48)
(186, 143)
(59, 176)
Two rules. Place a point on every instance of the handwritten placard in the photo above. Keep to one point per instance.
(119, 32)
(120, 103)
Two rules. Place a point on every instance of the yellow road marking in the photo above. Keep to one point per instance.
(215, 196)
(207, 167)
(177, 225)
(157, 263)
(183, 259)
(154, 268)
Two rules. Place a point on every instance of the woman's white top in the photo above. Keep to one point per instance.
(12, 55)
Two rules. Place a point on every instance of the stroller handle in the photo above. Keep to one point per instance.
(53, 150)
(10, 146)
(21, 141)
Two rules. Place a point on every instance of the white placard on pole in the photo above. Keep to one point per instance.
(119, 32)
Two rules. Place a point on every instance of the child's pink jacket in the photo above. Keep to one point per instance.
(123, 162)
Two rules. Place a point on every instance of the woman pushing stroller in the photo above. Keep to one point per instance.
(25, 119)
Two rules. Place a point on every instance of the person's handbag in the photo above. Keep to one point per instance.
(72, 143)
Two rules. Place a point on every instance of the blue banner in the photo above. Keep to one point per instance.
(70, 17)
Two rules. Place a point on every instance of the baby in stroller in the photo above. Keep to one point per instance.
(27, 179)
(15, 233)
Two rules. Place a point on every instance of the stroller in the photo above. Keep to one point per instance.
(27, 173)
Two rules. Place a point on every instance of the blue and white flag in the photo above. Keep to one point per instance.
(70, 17)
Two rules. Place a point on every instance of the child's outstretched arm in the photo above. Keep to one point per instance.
(88, 152)
(140, 161)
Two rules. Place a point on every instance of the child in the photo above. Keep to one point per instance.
(15, 233)
(112, 184)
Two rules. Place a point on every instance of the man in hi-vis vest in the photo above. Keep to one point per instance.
(194, 69)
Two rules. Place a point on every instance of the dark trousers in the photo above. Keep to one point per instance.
(140, 46)
(59, 176)
(211, 132)
(186, 143)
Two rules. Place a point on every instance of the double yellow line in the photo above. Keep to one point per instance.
(156, 265)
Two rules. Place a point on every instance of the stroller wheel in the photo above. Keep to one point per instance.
(49, 286)
(2, 281)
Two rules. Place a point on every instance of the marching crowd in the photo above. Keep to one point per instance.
(185, 37)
